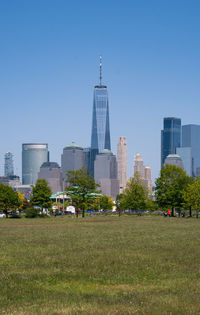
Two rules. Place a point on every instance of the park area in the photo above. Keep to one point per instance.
(100, 265)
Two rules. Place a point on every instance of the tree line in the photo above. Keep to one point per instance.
(173, 189)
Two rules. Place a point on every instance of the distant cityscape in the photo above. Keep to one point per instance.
(180, 145)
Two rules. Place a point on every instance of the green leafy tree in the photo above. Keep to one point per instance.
(135, 195)
(191, 196)
(169, 187)
(26, 204)
(81, 186)
(41, 194)
(9, 199)
(106, 203)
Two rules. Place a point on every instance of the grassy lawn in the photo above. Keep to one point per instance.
(100, 265)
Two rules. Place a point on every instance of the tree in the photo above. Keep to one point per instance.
(135, 195)
(169, 187)
(22, 199)
(9, 199)
(41, 194)
(106, 203)
(191, 196)
(81, 186)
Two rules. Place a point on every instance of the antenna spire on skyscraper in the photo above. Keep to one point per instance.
(100, 70)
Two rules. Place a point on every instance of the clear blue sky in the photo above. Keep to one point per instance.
(49, 54)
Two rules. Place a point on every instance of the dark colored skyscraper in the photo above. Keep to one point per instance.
(170, 137)
(100, 138)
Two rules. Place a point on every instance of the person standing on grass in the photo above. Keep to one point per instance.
(169, 212)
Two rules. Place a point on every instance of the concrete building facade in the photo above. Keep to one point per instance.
(138, 165)
(51, 171)
(174, 159)
(122, 162)
(106, 174)
(148, 180)
(72, 159)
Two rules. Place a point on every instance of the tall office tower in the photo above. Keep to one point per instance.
(8, 166)
(148, 180)
(52, 173)
(87, 158)
(105, 173)
(33, 156)
(191, 139)
(186, 157)
(122, 162)
(170, 137)
(138, 166)
(100, 138)
(72, 159)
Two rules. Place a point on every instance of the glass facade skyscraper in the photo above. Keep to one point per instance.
(191, 139)
(8, 166)
(33, 156)
(170, 137)
(100, 138)
(100, 121)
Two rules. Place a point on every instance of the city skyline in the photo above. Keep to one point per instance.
(48, 69)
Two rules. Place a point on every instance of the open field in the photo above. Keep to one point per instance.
(100, 265)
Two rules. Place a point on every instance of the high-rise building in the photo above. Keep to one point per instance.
(191, 139)
(100, 137)
(186, 157)
(87, 152)
(122, 162)
(72, 159)
(138, 165)
(8, 166)
(148, 180)
(105, 173)
(33, 156)
(144, 172)
(170, 137)
(52, 173)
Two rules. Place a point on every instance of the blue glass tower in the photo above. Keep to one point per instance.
(170, 137)
(191, 139)
(100, 138)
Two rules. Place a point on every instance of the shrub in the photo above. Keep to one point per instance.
(15, 215)
(31, 212)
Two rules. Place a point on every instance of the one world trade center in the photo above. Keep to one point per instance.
(100, 138)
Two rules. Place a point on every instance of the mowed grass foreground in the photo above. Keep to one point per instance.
(100, 265)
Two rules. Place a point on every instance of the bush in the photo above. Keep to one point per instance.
(15, 215)
(31, 212)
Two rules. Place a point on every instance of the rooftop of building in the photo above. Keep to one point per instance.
(100, 87)
(173, 156)
(34, 143)
(73, 145)
(172, 118)
(106, 151)
(50, 165)
(138, 157)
